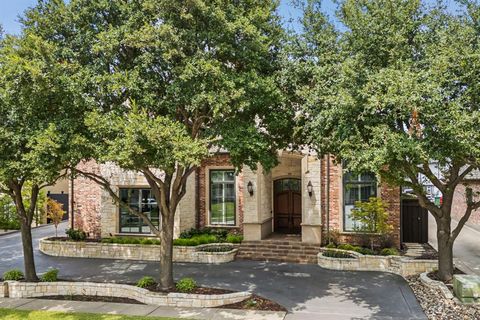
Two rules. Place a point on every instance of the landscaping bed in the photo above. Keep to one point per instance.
(256, 303)
(437, 307)
(92, 298)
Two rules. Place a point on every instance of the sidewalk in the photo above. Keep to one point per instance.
(138, 310)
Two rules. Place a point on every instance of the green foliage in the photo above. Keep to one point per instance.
(371, 216)
(186, 285)
(131, 240)
(389, 252)
(76, 235)
(50, 276)
(363, 250)
(219, 248)
(145, 282)
(186, 242)
(331, 246)
(346, 246)
(13, 275)
(336, 254)
(234, 238)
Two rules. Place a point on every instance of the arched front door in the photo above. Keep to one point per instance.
(287, 206)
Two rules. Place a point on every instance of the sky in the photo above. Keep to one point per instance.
(11, 9)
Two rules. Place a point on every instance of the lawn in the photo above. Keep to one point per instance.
(9, 314)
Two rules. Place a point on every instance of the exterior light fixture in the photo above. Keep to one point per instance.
(310, 188)
(250, 188)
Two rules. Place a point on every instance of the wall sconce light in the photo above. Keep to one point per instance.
(250, 188)
(310, 188)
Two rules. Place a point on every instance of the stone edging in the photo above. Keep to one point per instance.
(425, 279)
(134, 251)
(394, 264)
(14, 289)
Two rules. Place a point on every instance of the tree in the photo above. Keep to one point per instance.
(371, 217)
(406, 93)
(55, 213)
(35, 128)
(170, 83)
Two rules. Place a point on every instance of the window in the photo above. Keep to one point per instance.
(141, 200)
(222, 197)
(356, 187)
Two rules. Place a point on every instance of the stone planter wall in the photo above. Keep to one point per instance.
(3, 290)
(41, 289)
(394, 264)
(133, 251)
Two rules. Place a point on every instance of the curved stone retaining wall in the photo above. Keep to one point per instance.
(174, 299)
(395, 264)
(134, 251)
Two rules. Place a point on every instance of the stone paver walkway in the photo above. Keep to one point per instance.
(138, 310)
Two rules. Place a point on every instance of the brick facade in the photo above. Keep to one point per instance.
(390, 196)
(459, 205)
(87, 197)
(215, 162)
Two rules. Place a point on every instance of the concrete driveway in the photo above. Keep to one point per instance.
(466, 251)
(307, 291)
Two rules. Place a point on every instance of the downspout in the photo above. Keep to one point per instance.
(327, 206)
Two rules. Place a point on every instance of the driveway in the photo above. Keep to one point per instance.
(466, 250)
(307, 291)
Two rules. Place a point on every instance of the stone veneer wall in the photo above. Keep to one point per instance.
(395, 264)
(389, 194)
(133, 251)
(174, 299)
(214, 162)
(460, 202)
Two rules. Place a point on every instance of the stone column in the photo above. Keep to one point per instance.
(311, 204)
(257, 219)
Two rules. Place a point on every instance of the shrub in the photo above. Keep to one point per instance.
(76, 235)
(365, 251)
(185, 242)
(346, 246)
(233, 238)
(386, 241)
(156, 241)
(186, 285)
(50, 276)
(217, 249)
(336, 254)
(145, 282)
(334, 237)
(13, 275)
(331, 246)
(146, 241)
(389, 252)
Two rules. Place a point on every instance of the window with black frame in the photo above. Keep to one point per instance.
(356, 187)
(222, 197)
(141, 200)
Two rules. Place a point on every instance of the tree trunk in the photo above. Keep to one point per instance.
(28, 259)
(445, 250)
(166, 252)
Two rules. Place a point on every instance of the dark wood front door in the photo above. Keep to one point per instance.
(287, 206)
(414, 222)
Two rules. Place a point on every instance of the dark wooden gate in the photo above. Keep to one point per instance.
(287, 206)
(414, 222)
(63, 199)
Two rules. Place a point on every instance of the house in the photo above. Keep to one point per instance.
(459, 204)
(302, 195)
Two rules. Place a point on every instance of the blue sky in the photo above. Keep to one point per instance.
(11, 9)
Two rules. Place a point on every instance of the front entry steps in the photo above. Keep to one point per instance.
(279, 250)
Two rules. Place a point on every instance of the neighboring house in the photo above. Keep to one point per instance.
(472, 180)
(292, 198)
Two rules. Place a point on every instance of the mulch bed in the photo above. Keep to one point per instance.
(436, 307)
(91, 298)
(198, 290)
(256, 303)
